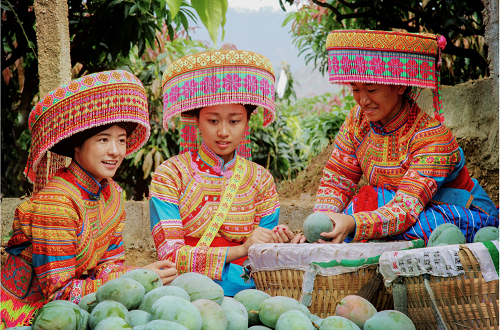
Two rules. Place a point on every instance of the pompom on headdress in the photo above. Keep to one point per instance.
(393, 58)
(217, 77)
(90, 101)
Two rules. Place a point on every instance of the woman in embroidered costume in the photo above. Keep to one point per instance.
(415, 169)
(68, 236)
(210, 203)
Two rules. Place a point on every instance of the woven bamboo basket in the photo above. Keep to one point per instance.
(328, 290)
(465, 302)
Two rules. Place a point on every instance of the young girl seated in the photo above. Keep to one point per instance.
(209, 204)
(67, 237)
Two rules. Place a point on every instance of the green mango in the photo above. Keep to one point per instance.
(446, 233)
(271, 309)
(338, 323)
(251, 299)
(199, 287)
(138, 317)
(236, 314)
(389, 320)
(486, 234)
(148, 278)
(124, 290)
(112, 323)
(314, 225)
(88, 302)
(294, 319)
(259, 327)
(316, 319)
(356, 309)
(56, 318)
(213, 317)
(105, 309)
(155, 294)
(178, 310)
(163, 325)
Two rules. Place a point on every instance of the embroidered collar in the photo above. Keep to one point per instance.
(215, 161)
(397, 122)
(85, 181)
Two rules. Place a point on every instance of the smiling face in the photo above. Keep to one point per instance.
(222, 128)
(102, 154)
(379, 102)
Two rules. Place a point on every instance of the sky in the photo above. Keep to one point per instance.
(256, 25)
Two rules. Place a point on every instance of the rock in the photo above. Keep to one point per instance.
(152, 296)
(389, 320)
(486, 234)
(314, 225)
(199, 287)
(212, 315)
(126, 291)
(148, 278)
(356, 309)
(251, 299)
(105, 309)
(178, 310)
(271, 309)
(295, 320)
(112, 323)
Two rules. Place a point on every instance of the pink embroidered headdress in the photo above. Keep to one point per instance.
(380, 57)
(93, 100)
(217, 77)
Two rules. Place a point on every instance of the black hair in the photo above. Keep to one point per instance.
(67, 146)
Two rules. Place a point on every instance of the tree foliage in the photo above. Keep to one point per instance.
(460, 21)
(102, 34)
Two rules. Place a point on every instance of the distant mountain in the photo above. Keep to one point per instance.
(261, 32)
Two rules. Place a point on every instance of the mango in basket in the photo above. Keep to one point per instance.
(137, 317)
(213, 316)
(338, 323)
(251, 299)
(486, 234)
(446, 233)
(105, 309)
(314, 225)
(88, 302)
(271, 309)
(259, 327)
(152, 296)
(199, 286)
(293, 319)
(356, 309)
(389, 320)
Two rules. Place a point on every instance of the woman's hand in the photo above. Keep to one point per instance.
(297, 239)
(165, 269)
(283, 233)
(343, 225)
(261, 235)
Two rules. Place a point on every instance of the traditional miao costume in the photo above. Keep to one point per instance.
(415, 169)
(68, 236)
(187, 190)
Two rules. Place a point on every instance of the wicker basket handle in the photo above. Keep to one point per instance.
(439, 318)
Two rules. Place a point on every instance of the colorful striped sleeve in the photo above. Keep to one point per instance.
(168, 231)
(267, 204)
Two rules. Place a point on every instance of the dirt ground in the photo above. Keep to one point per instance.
(303, 190)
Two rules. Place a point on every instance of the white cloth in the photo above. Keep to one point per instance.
(440, 261)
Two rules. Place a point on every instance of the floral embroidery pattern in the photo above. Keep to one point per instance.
(232, 82)
(210, 84)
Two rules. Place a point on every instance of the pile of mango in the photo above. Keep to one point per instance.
(138, 301)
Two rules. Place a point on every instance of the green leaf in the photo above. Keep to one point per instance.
(174, 6)
(212, 14)
(144, 5)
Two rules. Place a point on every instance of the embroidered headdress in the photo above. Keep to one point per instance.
(93, 100)
(217, 77)
(394, 58)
